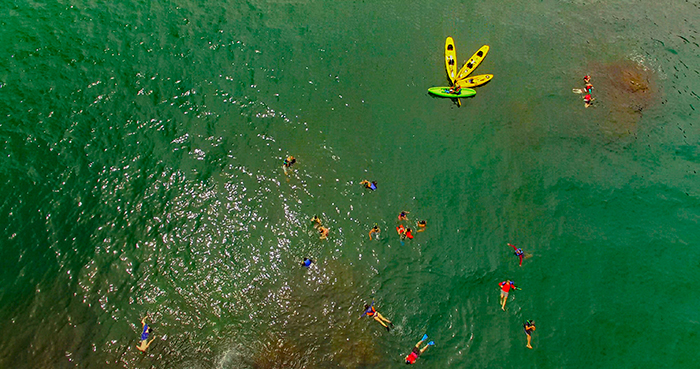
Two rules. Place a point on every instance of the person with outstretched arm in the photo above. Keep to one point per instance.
(417, 351)
(144, 336)
(371, 312)
(505, 288)
(518, 252)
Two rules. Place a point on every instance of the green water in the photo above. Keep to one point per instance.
(142, 145)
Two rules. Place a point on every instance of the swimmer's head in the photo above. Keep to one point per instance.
(366, 306)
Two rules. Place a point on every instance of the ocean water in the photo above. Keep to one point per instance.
(142, 145)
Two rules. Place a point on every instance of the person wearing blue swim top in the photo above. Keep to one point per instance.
(307, 262)
(370, 311)
(144, 336)
(371, 185)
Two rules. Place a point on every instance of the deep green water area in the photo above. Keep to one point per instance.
(141, 146)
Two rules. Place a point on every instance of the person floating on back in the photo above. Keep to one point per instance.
(505, 288)
(518, 252)
(144, 336)
(307, 262)
(529, 326)
(371, 312)
(375, 230)
(288, 162)
(417, 351)
(370, 185)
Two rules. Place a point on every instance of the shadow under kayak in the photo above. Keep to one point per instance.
(445, 92)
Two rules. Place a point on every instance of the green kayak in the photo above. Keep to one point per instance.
(445, 92)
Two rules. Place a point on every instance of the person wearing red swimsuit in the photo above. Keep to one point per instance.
(505, 288)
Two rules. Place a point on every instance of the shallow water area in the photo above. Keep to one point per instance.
(143, 146)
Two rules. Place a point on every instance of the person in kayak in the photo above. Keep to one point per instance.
(518, 252)
(456, 89)
(505, 288)
(529, 326)
(370, 185)
(144, 336)
(374, 230)
(421, 225)
(307, 262)
(417, 351)
(371, 312)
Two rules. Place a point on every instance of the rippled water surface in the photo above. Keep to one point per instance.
(142, 145)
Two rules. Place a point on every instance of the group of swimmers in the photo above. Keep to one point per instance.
(369, 309)
(588, 90)
(506, 285)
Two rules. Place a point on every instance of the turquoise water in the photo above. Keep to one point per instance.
(142, 144)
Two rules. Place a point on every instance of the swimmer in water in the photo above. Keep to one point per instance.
(421, 225)
(403, 215)
(144, 336)
(374, 230)
(529, 326)
(401, 230)
(371, 185)
(324, 232)
(505, 288)
(518, 252)
(288, 162)
(417, 351)
(409, 234)
(588, 100)
(371, 312)
(316, 221)
(307, 262)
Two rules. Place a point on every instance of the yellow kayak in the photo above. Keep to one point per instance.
(474, 81)
(451, 59)
(474, 62)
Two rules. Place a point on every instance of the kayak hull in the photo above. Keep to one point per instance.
(474, 81)
(473, 62)
(444, 92)
(451, 59)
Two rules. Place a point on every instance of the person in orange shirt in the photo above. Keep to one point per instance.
(371, 312)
